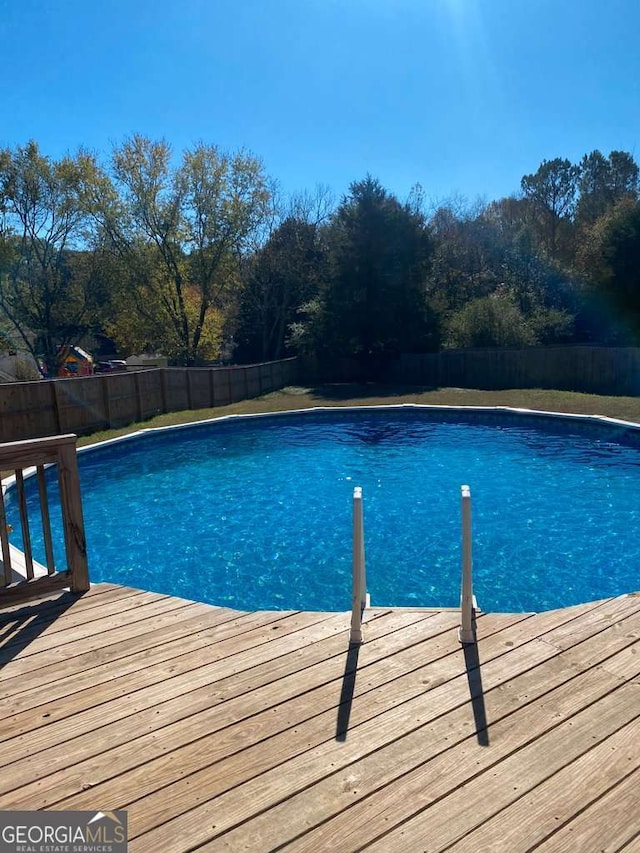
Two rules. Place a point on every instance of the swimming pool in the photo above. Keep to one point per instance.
(255, 512)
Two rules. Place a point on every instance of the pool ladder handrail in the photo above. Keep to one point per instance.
(360, 598)
(468, 604)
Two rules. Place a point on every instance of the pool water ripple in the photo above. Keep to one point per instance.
(256, 513)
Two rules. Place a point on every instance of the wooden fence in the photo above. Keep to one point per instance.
(87, 404)
(590, 369)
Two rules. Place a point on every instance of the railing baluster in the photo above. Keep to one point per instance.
(4, 538)
(46, 521)
(24, 522)
(467, 627)
(359, 592)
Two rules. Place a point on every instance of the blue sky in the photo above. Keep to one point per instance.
(463, 96)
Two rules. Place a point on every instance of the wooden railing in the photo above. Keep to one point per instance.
(20, 576)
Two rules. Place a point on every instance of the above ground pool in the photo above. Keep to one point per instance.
(255, 512)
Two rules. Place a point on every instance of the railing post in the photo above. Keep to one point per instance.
(467, 603)
(70, 499)
(359, 592)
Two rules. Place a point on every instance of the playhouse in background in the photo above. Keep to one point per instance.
(77, 362)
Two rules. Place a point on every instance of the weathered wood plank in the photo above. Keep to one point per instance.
(21, 663)
(33, 588)
(518, 712)
(5, 549)
(55, 606)
(24, 454)
(46, 519)
(449, 819)
(86, 600)
(396, 759)
(314, 695)
(225, 640)
(193, 729)
(143, 661)
(402, 709)
(51, 665)
(72, 518)
(569, 635)
(70, 610)
(536, 815)
(608, 825)
(36, 638)
(251, 687)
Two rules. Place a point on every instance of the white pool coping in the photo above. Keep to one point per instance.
(510, 410)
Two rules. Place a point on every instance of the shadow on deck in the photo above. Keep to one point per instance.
(265, 731)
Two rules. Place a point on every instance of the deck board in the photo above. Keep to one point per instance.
(603, 825)
(233, 731)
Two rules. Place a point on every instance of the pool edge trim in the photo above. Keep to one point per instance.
(510, 410)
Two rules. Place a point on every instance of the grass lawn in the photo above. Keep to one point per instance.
(625, 408)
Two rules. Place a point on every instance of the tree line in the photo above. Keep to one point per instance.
(201, 258)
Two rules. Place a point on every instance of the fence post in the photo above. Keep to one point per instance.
(359, 591)
(189, 392)
(58, 408)
(212, 388)
(106, 400)
(139, 408)
(467, 627)
(163, 389)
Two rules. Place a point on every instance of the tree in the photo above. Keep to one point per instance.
(490, 252)
(467, 255)
(375, 299)
(625, 176)
(49, 281)
(490, 321)
(179, 231)
(551, 192)
(604, 182)
(610, 258)
(278, 279)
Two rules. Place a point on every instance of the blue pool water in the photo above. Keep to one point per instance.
(256, 513)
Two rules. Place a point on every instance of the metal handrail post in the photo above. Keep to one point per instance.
(467, 628)
(359, 591)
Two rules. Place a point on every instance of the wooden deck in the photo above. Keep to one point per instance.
(228, 731)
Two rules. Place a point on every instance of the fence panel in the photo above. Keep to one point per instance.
(86, 404)
(236, 384)
(265, 378)
(80, 404)
(253, 380)
(176, 389)
(150, 392)
(590, 369)
(221, 386)
(27, 410)
(200, 388)
(123, 398)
